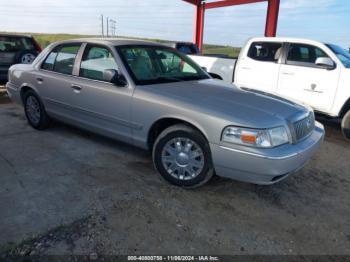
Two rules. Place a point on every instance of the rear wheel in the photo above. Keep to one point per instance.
(26, 57)
(182, 156)
(345, 125)
(35, 111)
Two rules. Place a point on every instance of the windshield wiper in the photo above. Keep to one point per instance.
(190, 78)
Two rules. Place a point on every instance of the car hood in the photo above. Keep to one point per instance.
(217, 98)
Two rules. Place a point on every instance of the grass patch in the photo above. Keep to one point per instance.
(45, 39)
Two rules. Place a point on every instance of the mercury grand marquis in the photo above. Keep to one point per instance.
(153, 97)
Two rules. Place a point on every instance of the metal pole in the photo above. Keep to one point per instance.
(112, 27)
(107, 27)
(102, 29)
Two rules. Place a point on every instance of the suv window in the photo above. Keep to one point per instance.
(61, 59)
(15, 44)
(96, 60)
(265, 51)
(302, 54)
(189, 49)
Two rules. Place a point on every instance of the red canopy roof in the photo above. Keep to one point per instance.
(202, 5)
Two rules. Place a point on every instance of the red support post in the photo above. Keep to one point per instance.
(272, 18)
(199, 24)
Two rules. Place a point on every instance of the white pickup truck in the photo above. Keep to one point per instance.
(304, 71)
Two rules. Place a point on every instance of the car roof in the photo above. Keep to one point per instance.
(284, 39)
(111, 41)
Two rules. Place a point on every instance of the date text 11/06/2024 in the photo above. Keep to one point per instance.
(173, 258)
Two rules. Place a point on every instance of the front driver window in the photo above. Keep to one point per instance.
(96, 60)
(301, 54)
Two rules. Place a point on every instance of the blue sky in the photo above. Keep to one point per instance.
(325, 20)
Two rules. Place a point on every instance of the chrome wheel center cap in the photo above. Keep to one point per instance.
(182, 159)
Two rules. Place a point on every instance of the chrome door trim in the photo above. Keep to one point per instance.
(97, 115)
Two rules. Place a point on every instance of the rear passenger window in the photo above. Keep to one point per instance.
(65, 59)
(263, 51)
(61, 59)
(95, 61)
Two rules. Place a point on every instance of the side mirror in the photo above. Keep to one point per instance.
(205, 69)
(113, 76)
(325, 62)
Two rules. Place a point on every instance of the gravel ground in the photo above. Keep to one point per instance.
(66, 191)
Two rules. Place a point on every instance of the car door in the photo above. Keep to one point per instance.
(259, 69)
(302, 80)
(54, 80)
(102, 105)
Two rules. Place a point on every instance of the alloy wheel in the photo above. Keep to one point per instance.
(182, 158)
(33, 109)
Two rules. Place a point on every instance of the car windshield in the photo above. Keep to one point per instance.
(342, 54)
(15, 44)
(156, 65)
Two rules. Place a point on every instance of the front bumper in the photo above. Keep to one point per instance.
(265, 166)
(13, 93)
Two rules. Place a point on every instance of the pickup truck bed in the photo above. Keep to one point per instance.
(222, 67)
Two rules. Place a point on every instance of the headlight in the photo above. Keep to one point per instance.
(256, 137)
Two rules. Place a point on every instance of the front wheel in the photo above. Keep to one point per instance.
(182, 156)
(35, 111)
(345, 125)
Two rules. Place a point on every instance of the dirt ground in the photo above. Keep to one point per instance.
(66, 191)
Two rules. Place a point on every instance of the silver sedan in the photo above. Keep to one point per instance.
(153, 97)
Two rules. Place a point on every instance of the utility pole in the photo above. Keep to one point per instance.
(107, 26)
(102, 29)
(112, 22)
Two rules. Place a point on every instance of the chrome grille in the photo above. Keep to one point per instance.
(304, 127)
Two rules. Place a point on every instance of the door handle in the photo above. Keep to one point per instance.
(76, 87)
(39, 79)
(288, 73)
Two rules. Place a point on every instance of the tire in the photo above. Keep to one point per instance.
(345, 125)
(26, 57)
(182, 157)
(35, 111)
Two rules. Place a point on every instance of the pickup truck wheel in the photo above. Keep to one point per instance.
(345, 125)
(35, 111)
(182, 156)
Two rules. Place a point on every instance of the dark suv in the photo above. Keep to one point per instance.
(185, 47)
(16, 49)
